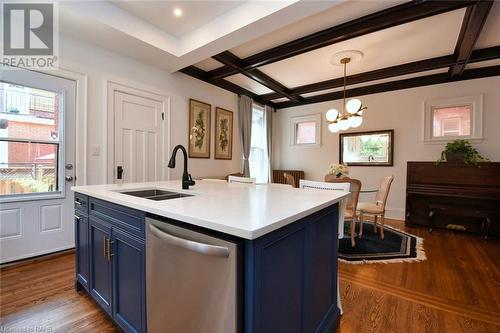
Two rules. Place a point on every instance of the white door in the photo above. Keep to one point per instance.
(37, 154)
(139, 138)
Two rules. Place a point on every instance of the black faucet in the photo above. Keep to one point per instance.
(186, 177)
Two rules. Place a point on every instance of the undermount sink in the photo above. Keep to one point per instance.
(157, 195)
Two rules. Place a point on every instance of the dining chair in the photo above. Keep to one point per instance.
(241, 180)
(289, 179)
(376, 209)
(352, 203)
(309, 184)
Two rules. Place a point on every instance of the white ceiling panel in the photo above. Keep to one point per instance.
(490, 35)
(488, 63)
(248, 84)
(279, 100)
(397, 45)
(339, 14)
(208, 64)
(195, 14)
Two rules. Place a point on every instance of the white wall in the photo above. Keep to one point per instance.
(101, 65)
(400, 110)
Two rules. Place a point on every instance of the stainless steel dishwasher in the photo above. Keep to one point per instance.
(190, 281)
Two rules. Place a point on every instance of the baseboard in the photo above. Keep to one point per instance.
(37, 258)
(395, 213)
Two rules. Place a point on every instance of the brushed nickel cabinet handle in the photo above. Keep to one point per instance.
(105, 247)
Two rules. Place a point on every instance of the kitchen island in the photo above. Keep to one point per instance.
(262, 258)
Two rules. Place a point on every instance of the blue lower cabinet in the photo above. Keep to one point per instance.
(129, 292)
(100, 263)
(290, 285)
(111, 261)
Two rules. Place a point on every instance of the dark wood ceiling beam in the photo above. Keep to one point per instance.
(388, 72)
(399, 84)
(229, 59)
(400, 14)
(224, 84)
(472, 24)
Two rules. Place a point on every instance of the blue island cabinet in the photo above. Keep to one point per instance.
(110, 260)
(287, 278)
(290, 277)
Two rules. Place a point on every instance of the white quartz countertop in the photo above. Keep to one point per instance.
(247, 211)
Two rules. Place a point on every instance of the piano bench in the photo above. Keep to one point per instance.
(468, 211)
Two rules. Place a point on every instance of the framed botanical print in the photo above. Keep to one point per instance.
(223, 134)
(199, 129)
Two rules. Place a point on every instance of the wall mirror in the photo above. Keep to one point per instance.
(374, 148)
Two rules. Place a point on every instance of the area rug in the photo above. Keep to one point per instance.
(397, 246)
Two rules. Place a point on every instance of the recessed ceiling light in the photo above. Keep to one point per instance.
(178, 12)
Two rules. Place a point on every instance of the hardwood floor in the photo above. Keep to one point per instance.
(457, 289)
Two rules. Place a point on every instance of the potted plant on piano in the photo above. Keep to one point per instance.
(461, 151)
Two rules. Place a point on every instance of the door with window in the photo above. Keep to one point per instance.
(37, 153)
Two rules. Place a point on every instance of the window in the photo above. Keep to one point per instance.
(450, 119)
(305, 130)
(259, 167)
(29, 140)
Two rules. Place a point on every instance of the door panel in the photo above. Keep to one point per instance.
(100, 266)
(139, 138)
(37, 112)
(129, 294)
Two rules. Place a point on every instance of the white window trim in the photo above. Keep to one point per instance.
(303, 119)
(476, 103)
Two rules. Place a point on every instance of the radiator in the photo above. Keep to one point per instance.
(278, 176)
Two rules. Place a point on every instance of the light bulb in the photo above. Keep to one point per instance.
(178, 12)
(332, 114)
(333, 127)
(353, 105)
(343, 124)
(355, 121)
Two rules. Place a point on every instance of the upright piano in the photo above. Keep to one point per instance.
(454, 196)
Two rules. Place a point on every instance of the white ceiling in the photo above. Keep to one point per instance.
(490, 35)
(343, 12)
(195, 15)
(168, 42)
(248, 84)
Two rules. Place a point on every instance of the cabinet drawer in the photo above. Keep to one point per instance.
(125, 218)
(81, 203)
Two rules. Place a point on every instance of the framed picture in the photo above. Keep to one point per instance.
(223, 134)
(199, 129)
(374, 148)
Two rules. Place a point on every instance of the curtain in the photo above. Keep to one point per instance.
(245, 106)
(268, 116)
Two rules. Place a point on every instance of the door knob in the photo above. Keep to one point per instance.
(119, 172)
(69, 178)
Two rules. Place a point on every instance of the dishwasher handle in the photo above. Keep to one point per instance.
(210, 250)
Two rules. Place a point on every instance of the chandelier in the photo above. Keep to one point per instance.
(351, 115)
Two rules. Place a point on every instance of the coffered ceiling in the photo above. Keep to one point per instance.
(408, 43)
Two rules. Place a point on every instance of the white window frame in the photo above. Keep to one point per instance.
(476, 130)
(294, 121)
